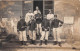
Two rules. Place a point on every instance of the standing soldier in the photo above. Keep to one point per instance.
(32, 30)
(45, 31)
(28, 17)
(38, 18)
(21, 31)
(57, 25)
(50, 17)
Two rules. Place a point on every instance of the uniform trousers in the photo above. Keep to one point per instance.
(27, 30)
(44, 35)
(56, 34)
(39, 28)
(22, 35)
(32, 34)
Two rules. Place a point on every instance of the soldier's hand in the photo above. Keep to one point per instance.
(45, 29)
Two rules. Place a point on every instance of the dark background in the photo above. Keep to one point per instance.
(39, 4)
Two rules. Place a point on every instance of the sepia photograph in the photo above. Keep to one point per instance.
(39, 25)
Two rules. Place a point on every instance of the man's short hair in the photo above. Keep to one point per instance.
(20, 17)
(36, 6)
(29, 9)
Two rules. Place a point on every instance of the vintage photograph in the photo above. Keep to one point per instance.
(39, 25)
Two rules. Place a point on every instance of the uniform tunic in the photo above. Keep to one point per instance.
(50, 16)
(37, 11)
(45, 25)
(38, 18)
(27, 19)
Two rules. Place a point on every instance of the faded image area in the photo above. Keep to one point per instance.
(38, 25)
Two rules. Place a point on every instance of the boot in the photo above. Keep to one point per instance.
(55, 43)
(37, 35)
(59, 44)
(24, 42)
(31, 41)
(40, 42)
(34, 42)
(21, 42)
(0, 44)
(45, 42)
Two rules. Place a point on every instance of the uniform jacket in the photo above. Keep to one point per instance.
(55, 23)
(32, 25)
(50, 16)
(45, 25)
(38, 18)
(21, 26)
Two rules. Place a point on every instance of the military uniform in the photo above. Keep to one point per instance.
(50, 16)
(27, 19)
(45, 31)
(56, 25)
(38, 18)
(32, 31)
(22, 32)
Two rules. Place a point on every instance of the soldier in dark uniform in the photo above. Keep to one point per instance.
(21, 26)
(57, 26)
(32, 30)
(45, 30)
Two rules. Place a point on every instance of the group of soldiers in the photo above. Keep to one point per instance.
(34, 24)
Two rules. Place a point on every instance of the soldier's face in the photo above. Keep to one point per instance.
(37, 8)
(50, 12)
(55, 17)
(29, 11)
